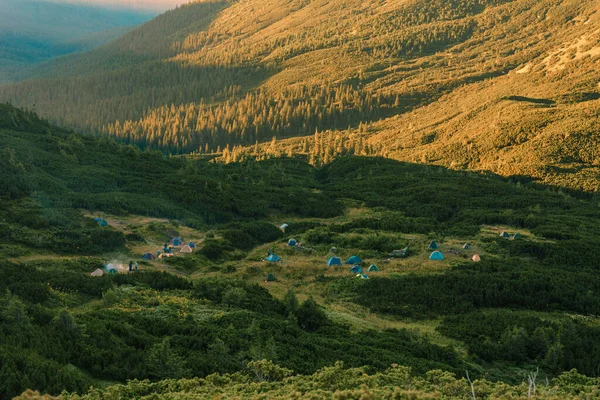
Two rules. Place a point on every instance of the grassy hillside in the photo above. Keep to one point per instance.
(506, 86)
(530, 303)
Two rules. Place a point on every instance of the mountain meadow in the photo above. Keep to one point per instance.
(308, 199)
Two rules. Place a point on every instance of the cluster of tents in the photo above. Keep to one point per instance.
(437, 255)
(506, 235)
(167, 250)
(356, 269)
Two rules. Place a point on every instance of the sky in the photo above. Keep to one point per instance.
(153, 5)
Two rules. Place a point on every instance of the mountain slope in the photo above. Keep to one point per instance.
(466, 83)
(529, 303)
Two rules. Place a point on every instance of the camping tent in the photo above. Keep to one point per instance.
(292, 242)
(504, 235)
(148, 256)
(177, 241)
(373, 268)
(97, 272)
(362, 276)
(270, 278)
(399, 253)
(466, 246)
(333, 261)
(436, 256)
(101, 222)
(354, 260)
(273, 258)
(333, 250)
(517, 236)
(356, 269)
(186, 249)
(433, 245)
(116, 269)
(282, 227)
(192, 245)
(476, 258)
(165, 255)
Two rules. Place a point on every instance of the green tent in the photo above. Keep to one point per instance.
(270, 278)
(399, 253)
(517, 236)
(433, 245)
(373, 268)
(466, 246)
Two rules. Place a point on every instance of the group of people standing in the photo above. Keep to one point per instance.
(132, 265)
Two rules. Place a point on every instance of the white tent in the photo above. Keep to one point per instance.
(97, 272)
(282, 227)
(186, 249)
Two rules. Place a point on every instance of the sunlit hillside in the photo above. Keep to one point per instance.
(506, 86)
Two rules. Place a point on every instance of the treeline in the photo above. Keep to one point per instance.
(257, 117)
(320, 149)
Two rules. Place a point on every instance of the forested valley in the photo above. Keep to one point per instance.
(302, 199)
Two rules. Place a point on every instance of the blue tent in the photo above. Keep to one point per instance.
(273, 258)
(516, 236)
(148, 256)
(177, 241)
(354, 260)
(505, 235)
(101, 222)
(433, 245)
(333, 261)
(373, 268)
(192, 245)
(292, 242)
(362, 276)
(436, 256)
(356, 269)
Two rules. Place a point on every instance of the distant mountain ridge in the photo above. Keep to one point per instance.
(32, 32)
(506, 86)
